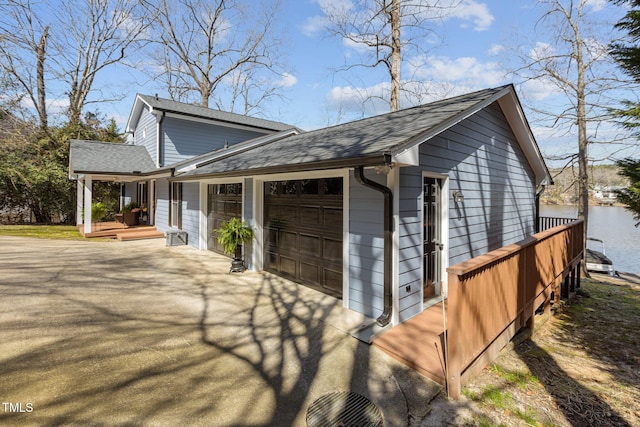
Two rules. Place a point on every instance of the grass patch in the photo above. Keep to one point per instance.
(521, 379)
(58, 232)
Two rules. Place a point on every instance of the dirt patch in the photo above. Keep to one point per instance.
(581, 368)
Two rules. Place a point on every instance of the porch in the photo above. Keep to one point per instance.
(490, 298)
(118, 230)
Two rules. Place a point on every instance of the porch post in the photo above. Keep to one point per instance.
(151, 208)
(453, 363)
(79, 195)
(88, 184)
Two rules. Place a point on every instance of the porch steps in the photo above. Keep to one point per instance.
(139, 234)
(115, 230)
(418, 343)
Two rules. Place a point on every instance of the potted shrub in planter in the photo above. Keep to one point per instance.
(129, 215)
(232, 234)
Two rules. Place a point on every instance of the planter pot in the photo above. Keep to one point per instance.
(237, 265)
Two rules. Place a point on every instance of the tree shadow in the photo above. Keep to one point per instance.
(169, 339)
(581, 406)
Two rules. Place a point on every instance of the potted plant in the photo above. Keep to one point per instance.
(129, 215)
(232, 234)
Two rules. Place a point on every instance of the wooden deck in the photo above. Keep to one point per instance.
(117, 230)
(418, 343)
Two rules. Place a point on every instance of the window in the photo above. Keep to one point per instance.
(175, 208)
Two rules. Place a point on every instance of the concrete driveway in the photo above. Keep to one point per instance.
(135, 333)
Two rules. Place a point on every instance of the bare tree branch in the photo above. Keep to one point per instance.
(207, 47)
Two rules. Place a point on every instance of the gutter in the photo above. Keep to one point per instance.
(160, 142)
(539, 192)
(385, 317)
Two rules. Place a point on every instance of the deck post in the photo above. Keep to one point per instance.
(453, 363)
(88, 187)
(79, 198)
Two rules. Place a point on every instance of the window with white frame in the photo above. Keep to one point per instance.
(175, 210)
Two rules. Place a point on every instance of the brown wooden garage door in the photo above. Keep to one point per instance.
(225, 202)
(303, 232)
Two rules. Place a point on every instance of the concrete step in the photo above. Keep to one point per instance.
(139, 235)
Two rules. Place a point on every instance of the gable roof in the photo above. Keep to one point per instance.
(198, 112)
(97, 157)
(377, 140)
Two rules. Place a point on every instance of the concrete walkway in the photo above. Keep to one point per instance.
(135, 333)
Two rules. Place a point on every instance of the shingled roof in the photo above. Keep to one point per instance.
(108, 158)
(196, 111)
(363, 142)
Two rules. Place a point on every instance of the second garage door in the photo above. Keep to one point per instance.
(303, 232)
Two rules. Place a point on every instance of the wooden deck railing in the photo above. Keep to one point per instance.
(492, 296)
(547, 222)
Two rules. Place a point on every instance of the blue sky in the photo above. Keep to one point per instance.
(476, 46)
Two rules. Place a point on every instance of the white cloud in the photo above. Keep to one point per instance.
(496, 49)
(469, 11)
(287, 80)
(478, 13)
(315, 25)
(467, 71)
(539, 89)
(597, 5)
(542, 50)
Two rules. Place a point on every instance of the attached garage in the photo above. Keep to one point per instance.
(224, 203)
(303, 232)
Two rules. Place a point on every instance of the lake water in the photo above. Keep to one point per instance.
(615, 226)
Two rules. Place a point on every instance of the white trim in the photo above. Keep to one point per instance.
(203, 202)
(515, 117)
(159, 140)
(79, 201)
(257, 258)
(393, 182)
(329, 173)
(88, 188)
(152, 202)
(444, 231)
(346, 214)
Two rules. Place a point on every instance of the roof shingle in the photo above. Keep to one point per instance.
(108, 157)
(210, 113)
(368, 137)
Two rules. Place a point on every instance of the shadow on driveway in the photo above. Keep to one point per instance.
(137, 333)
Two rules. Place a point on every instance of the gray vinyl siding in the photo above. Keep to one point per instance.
(410, 242)
(146, 133)
(191, 212)
(162, 205)
(483, 160)
(184, 139)
(366, 247)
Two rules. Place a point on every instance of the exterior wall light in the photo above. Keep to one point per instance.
(458, 197)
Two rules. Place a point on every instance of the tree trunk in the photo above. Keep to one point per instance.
(583, 153)
(42, 95)
(394, 101)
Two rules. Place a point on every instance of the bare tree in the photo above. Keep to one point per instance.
(93, 37)
(70, 42)
(211, 47)
(23, 51)
(576, 65)
(382, 29)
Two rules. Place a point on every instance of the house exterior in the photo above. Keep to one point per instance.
(372, 211)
